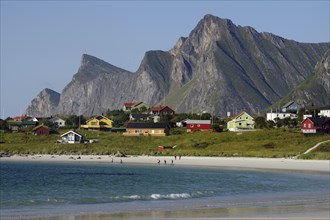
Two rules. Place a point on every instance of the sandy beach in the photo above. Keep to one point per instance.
(234, 162)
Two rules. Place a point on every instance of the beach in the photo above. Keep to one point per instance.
(234, 162)
(277, 172)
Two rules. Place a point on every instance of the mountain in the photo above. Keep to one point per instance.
(315, 90)
(219, 67)
(44, 104)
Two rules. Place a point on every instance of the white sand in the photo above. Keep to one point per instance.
(235, 162)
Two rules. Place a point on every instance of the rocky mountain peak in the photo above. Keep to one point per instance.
(44, 105)
(219, 67)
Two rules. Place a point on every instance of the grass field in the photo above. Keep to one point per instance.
(274, 143)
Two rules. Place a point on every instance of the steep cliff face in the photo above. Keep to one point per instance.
(315, 90)
(219, 67)
(44, 104)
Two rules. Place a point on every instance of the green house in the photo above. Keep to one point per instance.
(242, 121)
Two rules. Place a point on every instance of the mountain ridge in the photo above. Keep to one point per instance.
(219, 67)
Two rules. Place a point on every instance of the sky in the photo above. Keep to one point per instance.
(42, 41)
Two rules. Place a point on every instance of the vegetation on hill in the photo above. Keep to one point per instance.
(271, 143)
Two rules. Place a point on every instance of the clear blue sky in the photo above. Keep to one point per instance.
(42, 42)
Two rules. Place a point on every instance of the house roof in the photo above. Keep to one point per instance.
(159, 108)
(39, 126)
(147, 125)
(131, 104)
(80, 135)
(21, 118)
(288, 104)
(241, 113)
(98, 117)
(198, 121)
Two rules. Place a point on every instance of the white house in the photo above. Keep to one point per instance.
(280, 115)
(324, 113)
(72, 137)
(59, 121)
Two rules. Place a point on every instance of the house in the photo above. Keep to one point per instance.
(290, 107)
(315, 125)
(98, 122)
(22, 118)
(21, 125)
(202, 125)
(325, 112)
(147, 129)
(41, 130)
(281, 115)
(72, 137)
(129, 106)
(59, 121)
(161, 110)
(242, 121)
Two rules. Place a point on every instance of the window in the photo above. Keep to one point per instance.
(304, 125)
(247, 117)
(309, 125)
(94, 123)
(240, 124)
(198, 125)
(191, 125)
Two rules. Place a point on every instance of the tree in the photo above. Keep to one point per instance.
(74, 121)
(4, 125)
(260, 122)
(270, 124)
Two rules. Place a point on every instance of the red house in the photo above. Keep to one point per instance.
(41, 130)
(315, 125)
(202, 125)
(162, 110)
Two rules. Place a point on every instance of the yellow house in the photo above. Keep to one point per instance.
(99, 122)
(147, 129)
(242, 121)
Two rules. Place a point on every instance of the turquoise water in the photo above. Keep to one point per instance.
(30, 189)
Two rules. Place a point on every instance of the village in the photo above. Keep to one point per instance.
(138, 118)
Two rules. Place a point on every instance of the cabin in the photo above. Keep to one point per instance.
(98, 123)
(147, 129)
(200, 125)
(242, 121)
(72, 137)
(41, 130)
(161, 110)
(314, 125)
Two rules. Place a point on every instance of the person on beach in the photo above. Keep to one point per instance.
(172, 162)
(121, 161)
(164, 161)
(158, 161)
(175, 157)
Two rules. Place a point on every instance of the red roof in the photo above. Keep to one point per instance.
(131, 104)
(158, 108)
(20, 118)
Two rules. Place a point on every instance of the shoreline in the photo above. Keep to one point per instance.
(227, 162)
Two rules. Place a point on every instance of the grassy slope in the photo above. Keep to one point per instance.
(263, 143)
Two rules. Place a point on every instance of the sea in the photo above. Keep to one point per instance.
(50, 189)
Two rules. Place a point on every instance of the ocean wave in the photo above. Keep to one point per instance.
(171, 196)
